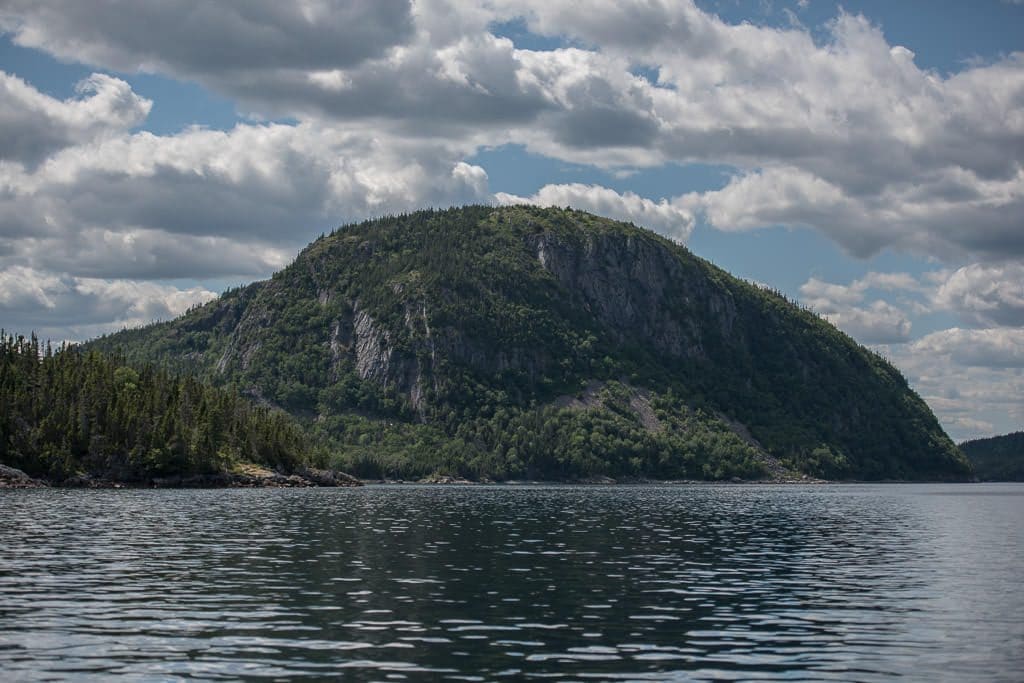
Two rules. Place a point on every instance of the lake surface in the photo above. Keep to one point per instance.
(849, 582)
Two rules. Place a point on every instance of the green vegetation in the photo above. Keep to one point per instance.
(999, 458)
(548, 442)
(69, 413)
(546, 343)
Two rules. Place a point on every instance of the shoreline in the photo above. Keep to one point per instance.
(244, 476)
(250, 476)
(590, 482)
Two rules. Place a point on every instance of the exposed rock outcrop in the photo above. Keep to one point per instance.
(13, 478)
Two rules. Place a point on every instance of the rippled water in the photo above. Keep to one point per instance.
(482, 583)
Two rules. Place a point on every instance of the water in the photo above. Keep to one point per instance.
(490, 583)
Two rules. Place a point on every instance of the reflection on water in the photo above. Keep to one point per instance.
(484, 583)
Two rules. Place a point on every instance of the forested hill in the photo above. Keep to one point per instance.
(546, 343)
(999, 458)
(71, 414)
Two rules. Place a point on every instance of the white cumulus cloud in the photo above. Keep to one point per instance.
(998, 347)
(986, 294)
(662, 216)
(65, 307)
(34, 125)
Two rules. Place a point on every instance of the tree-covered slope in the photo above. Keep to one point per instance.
(528, 342)
(71, 414)
(999, 458)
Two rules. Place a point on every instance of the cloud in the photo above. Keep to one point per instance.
(848, 136)
(471, 87)
(876, 322)
(845, 134)
(23, 289)
(826, 296)
(85, 307)
(144, 254)
(34, 125)
(982, 221)
(971, 396)
(195, 39)
(637, 26)
(205, 203)
(893, 282)
(818, 293)
(669, 220)
(341, 59)
(990, 348)
(762, 92)
(985, 295)
(972, 378)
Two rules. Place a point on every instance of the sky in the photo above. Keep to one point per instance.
(864, 158)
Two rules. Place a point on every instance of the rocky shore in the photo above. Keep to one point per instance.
(242, 476)
(11, 478)
(600, 480)
(254, 476)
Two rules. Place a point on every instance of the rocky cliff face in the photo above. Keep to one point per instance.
(626, 282)
(622, 281)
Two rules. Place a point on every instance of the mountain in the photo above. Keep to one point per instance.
(546, 343)
(999, 458)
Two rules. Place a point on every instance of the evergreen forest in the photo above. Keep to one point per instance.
(68, 413)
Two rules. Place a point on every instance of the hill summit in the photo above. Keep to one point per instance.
(525, 342)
